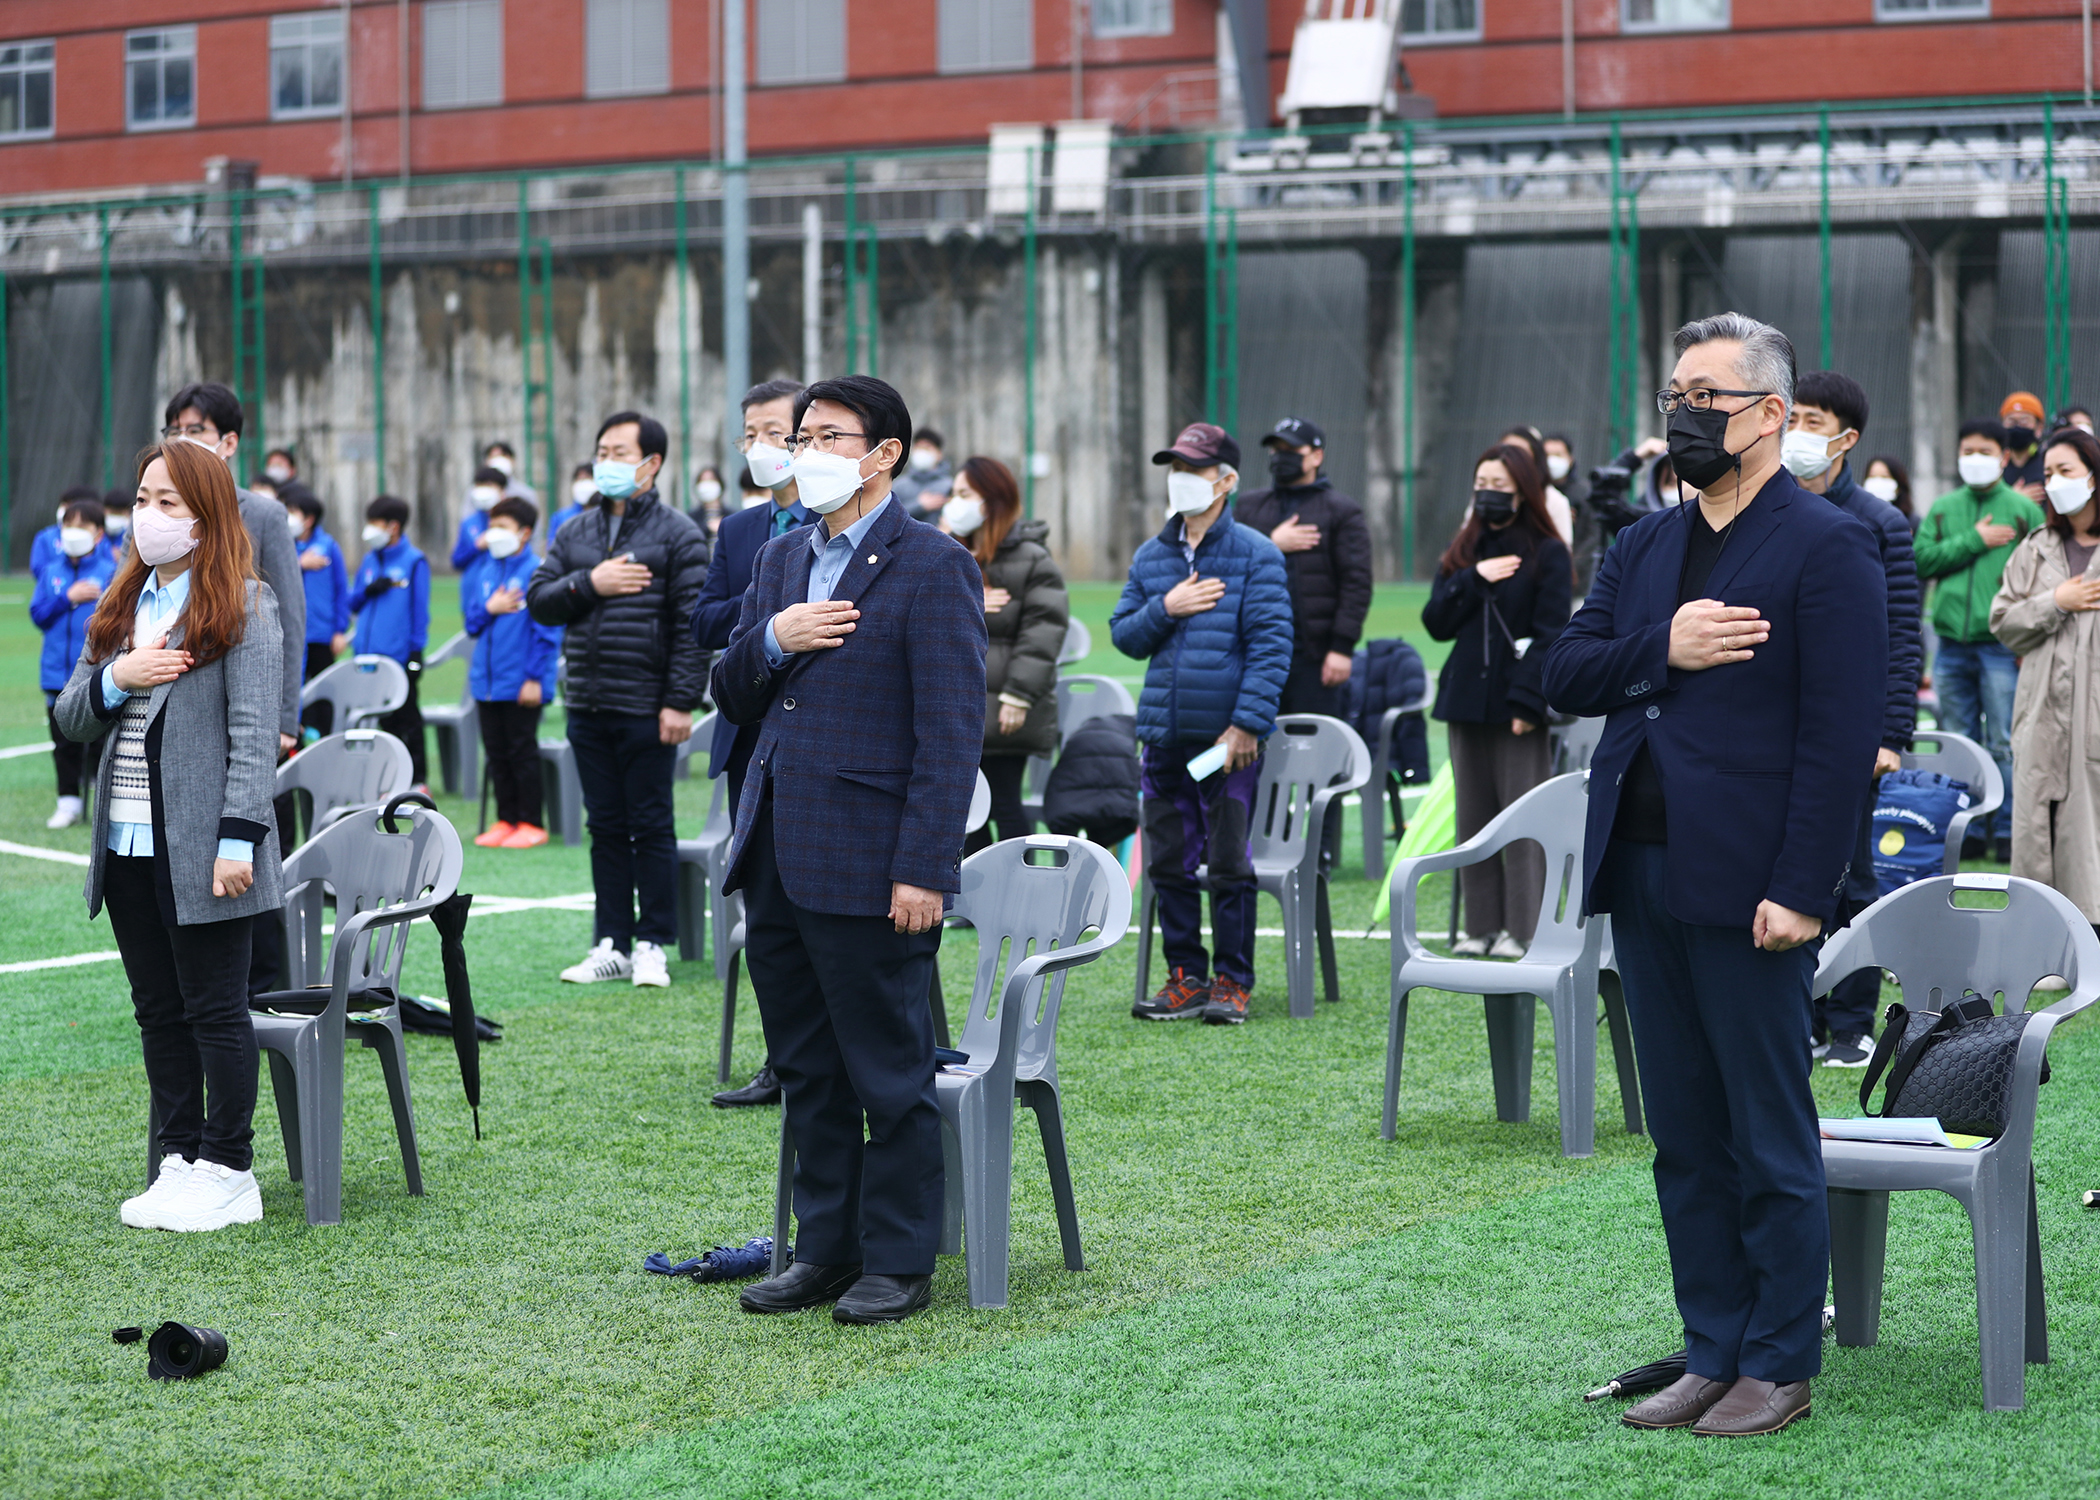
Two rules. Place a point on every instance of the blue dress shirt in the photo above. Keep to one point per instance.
(159, 605)
(833, 553)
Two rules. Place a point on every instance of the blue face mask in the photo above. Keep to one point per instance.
(615, 481)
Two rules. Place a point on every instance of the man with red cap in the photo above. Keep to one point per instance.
(2020, 414)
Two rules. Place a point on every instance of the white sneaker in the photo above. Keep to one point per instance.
(213, 1197)
(147, 1210)
(1506, 947)
(602, 962)
(1470, 947)
(650, 965)
(69, 810)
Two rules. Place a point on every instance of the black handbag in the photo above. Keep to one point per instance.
(1954, 1065)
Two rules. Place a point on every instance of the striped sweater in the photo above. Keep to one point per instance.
(130, 784)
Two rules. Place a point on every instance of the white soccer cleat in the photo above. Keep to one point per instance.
(147, 1210)
(69, 811)
(651, 967)
(602, 962)
(213, 1197)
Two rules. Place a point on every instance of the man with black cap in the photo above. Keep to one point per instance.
(1208, 604)
(1326, 551)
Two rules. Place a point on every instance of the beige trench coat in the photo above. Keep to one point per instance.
(2055, 723)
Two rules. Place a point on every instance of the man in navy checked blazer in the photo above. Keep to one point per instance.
(859, 656)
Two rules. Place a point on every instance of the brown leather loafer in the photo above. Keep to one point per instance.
(1679, 1404)
(1752, 1407)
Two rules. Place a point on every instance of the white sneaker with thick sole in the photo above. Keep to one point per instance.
(651, 967)
(602, 962)
(69, 810)
(213, 1197)
(1470, 947)
(147, 1210)
(1506, 947)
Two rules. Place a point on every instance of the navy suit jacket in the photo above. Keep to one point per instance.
(737, 541)
(871, 747)
(1766, 764)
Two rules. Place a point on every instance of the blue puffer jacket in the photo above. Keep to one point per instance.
(1221, 667)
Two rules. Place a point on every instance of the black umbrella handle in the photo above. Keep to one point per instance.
(387, 817)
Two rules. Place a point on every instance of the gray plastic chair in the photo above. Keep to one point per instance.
(1939, 952)
(1079, 642)
(1560, 967)
(1960, 757)
(702, 866)
(458, 725)
(1572, 742)
(380, 882)
(1309, 762)
(1032, 901)
(360, 691)
(1374, 793)
(357, 768)
(563, 790)
(1080, 697)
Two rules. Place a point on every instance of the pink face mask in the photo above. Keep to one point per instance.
(160, 537)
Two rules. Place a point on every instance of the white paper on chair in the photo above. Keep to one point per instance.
(1924, 1131)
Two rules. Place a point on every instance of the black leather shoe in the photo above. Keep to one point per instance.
(763, 1088)
(800, 1285)
(884, 1299)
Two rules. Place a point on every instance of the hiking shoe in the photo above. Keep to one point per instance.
(650, 965)
(526, 836)
(602, 962)
(1849, 1049)
(1181, 997)
(211, 1197)
(496, 833)
(148, 1210)
(1228, 1002)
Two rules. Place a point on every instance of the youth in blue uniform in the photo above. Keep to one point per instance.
(582, 490)
(326, 579)
(68, 587)
(512, 674)
(391, 598)
(474, 526)
(116, 524)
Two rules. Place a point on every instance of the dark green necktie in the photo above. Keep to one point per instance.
(783, 521)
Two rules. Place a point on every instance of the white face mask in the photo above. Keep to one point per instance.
(374, 536)
(770, 467)
(117, 522)
(297, 522)
(1881, 487)
(499, 463)
(2068, 493)
(503, 542)
(162, 538)
(1189, 494)
(581, 490)
(485, 495)
(77, 541)
(1807, 454)
(1558, 465)
(923, 459)
(826, 481)
(277, 473)
(963, 516)
(707, 491)
(1978, 469)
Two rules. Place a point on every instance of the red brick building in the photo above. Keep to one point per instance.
(105, 93)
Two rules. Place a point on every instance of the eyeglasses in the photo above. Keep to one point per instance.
(193, 430)
(823, 441)
(1699, 398)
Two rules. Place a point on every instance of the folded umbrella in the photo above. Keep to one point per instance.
(1642, 1379)
(449, 917)
(723, 1263)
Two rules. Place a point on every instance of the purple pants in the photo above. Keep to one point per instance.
(1190, 824)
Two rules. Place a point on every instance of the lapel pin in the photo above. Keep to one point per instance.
(871, 559)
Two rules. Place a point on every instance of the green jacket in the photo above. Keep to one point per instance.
(1950, 551)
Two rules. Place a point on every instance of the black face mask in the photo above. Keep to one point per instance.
(1494, 507)
(1286, 466)
(1699, 446)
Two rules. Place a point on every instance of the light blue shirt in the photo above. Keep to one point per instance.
(832, 555)
(158, 608)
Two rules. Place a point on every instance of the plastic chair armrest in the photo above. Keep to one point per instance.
(348, 934)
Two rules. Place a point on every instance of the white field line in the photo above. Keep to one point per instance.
(484, 906)
(14, 752)
(37, 851)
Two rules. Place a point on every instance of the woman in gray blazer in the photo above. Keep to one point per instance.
(183, 670)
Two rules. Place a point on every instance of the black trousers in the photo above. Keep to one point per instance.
(625, 769)
(510, 737)
(406, 725)
(850, 1037)
(189, 990)
(320, 656)
(73, 761)
(1003, 773)
(1303, 692)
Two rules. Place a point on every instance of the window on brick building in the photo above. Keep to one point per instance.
(25, 90)
(987, 36)
(160, 78)
(462, 53)
(306, 64)
(1674, 15)
(1133, 18)
(1440, 20)
(802, 41)
(1929, 10)
(626, 47)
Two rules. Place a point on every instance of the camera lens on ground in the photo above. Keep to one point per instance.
(179, 1352)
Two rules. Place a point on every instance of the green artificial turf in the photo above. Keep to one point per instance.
(1276, 1301)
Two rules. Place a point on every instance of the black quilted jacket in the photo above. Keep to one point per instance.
(1330, 583)
(628, 654)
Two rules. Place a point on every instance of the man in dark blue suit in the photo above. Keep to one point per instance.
(769, 422)
(859, 658)
(1739, 646)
